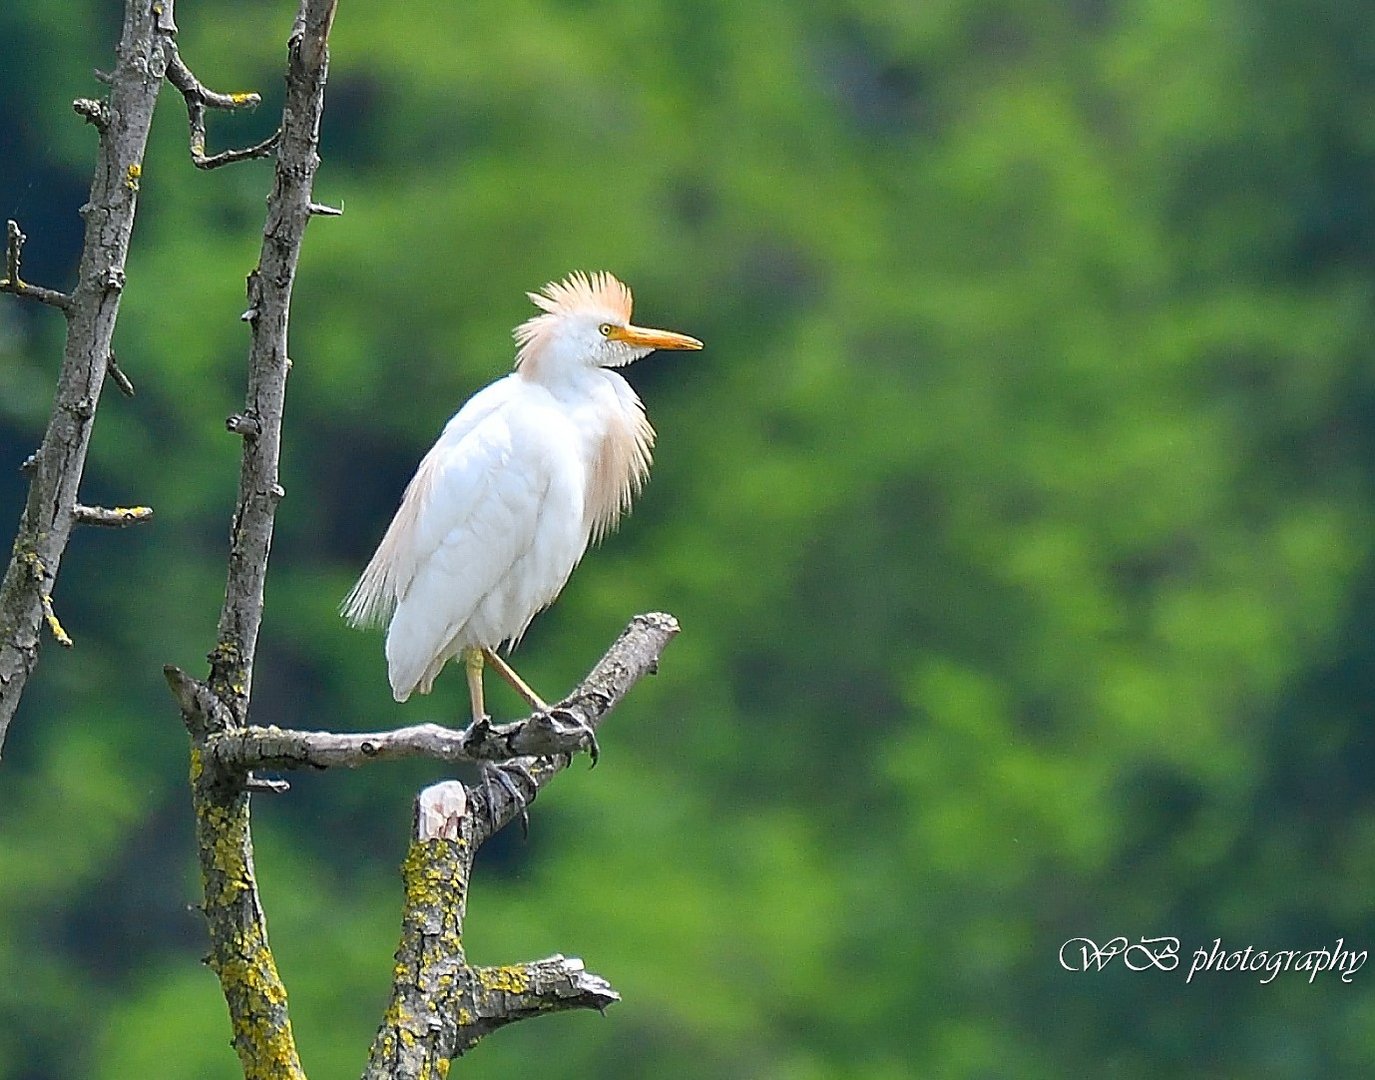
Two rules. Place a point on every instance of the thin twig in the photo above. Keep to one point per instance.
(13, 283)
(239, 424)
(116, 375)
(96, 113)
(198, 98)
(40, 577)
(111, 517)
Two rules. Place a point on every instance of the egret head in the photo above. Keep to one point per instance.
(586, 323)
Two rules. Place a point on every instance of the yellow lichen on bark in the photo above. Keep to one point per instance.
(240, 954)
(505, 978)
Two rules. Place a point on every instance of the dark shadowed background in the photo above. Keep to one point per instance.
(1018, 516)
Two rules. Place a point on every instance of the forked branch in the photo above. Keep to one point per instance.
(239, 951)
(198, 98)
(441, 1006)
(13, 283)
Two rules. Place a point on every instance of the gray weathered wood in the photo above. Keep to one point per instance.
(91, 310)
(565, 729)
(239, 950)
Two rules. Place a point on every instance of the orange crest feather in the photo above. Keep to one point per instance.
(579, 291)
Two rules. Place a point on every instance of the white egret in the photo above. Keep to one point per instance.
(530, 470)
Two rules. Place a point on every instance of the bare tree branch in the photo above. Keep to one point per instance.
(239, 951)
(116, 375)
(269, 294)
(510, 992)
(563, 730)
(13, 283)
(198, 99)
(91, 309)
(635, 654)
(116, 517)
(441, 1006)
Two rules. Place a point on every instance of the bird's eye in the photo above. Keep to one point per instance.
(605, 329)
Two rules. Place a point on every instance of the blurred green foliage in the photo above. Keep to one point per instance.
(1018, 517)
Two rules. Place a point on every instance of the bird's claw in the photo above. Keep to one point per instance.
(499, 775)
(478, 729)
(594, 750)
(571, 719)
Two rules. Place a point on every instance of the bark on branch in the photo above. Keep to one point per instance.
(561, 731)
(199, 98)
(441, 1006)
(111, 517)
(92, 307)
(269, 296)
(239, 952)
(13, 283)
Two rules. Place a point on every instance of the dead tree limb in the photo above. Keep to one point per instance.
(563, 730)
(441, 1006)
(239, 952)
(12, 282)
(147, 53)
(269, 299)
(91, 310)
(198, 98)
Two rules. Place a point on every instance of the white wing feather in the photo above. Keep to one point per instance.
(374, 597)
(471, 516)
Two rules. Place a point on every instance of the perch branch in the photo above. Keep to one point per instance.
(441, 1006)
(91, 309)
(634, 655)
(561, 731)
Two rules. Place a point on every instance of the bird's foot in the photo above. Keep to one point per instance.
(567, 718)
(478, 730)
(504, 776)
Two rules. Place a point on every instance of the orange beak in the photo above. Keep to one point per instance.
(644, 338)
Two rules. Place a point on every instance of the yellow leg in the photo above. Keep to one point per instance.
(472, 663)
(519, 685)
(495, 776)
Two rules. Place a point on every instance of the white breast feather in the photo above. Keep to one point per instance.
(620, 462)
